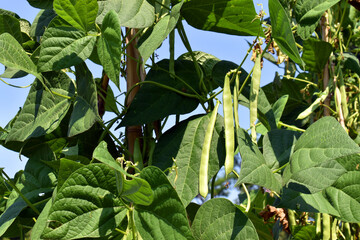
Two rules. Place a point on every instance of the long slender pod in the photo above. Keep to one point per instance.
(205, 153)
(229, 126)
(254, 92)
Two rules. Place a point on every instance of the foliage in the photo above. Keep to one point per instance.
(299, 169)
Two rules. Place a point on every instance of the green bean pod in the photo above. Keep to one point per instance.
(236, 101)
(205, 153)
(254, 93)
(229, 126)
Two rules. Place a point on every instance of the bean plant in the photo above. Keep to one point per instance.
(135, 176)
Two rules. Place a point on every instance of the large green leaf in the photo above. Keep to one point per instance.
(254, 168)
(11, 25)
(235, 17)
(278, 146)
(317, 161)
(86, 205)
(43, 4)
(344, 195)
(43, 111)
(281, 31)
(160, 31)
(85, 112)
(132, 14)
(36, 184)
(222, 220)
(308, 13)
(42, 20)
(12, 55)
(306, 202)
(109, 46)
(166, 217)
(316, 54)
(154, 102)
(64, 47)
(81, 14)
(182, 144)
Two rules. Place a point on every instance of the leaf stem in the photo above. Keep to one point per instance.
(248, 197)
(10, 182)
(291, 127)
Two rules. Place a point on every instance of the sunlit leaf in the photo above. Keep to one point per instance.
(85, 205)
(64, 47)
(132, 14)
(166, 217)
(109, 46)
(81, 14)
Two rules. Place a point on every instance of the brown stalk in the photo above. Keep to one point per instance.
(325, 37)
(134, 74)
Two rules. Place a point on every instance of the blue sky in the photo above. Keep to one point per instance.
(223, 46)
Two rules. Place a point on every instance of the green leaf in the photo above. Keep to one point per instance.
(136, 190)
(13, 73)
(42, 20)
(43, 4)
(12, 55)
(235, 17)
(278, 146)
(132, 14)
(67, 166)
(160, 31)
(85, 206)
(254, 168)
(64, 47)
(166, 217)
(6, 12)
(11, 25)
(81, 14)
(36, 184)
(183, 144)
(154, 102)
(315, 54)
(220, 219)
(281, 31)
(109, 46)
(85, 112)
(316, 161)
(43, 111)
(297, 201)
(308, 13)
(41, 221)
(344, 196)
